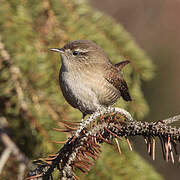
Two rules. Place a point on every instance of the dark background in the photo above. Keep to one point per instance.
(155, 25)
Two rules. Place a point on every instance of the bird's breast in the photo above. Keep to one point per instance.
(77, 90)
(86, 90)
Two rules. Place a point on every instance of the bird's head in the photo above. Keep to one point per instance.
(80, 52)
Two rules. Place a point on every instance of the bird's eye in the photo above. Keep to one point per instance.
(75, 53)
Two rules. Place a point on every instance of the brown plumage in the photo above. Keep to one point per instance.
(115, 78)
(88, 79)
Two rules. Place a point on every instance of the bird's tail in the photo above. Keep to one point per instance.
(121, 64)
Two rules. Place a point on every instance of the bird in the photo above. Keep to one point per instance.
(88, 79)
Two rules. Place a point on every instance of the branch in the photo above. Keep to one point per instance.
(11, 148)
(83, 147)
(4, 157)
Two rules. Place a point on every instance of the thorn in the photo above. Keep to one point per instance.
(129, 144)
(88, 153)
(32, 177)
(153, 148)
(69, 123)
(105, 140)
(76, 177)
(95, 140)
(96, 143)
(175, 146)
(171, 153)
(50, 158)
(62, 130)
(119, 150)
(41, 160)
(52, 155)
(118, 127)
(112, 133)
(167, 148)
(47, 159)
(145, 140)
(84, 153)
(69, 127)
(162, 146)
(91, 150)
(149, 147)
(59, 142)
(81, 166)
(168, 141)
(97, 149)
(90, 140)
(85, 160)
(167, 151)
(81, 154)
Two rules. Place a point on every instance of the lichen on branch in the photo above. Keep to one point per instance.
(84, 146)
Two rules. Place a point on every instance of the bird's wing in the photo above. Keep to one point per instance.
(114, 77)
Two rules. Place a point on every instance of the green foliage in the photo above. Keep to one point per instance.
(28, 29)
(128, 166)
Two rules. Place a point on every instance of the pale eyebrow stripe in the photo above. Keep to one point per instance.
(81, 50)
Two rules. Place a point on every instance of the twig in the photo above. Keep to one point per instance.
(21, 172)
(119, 149)
(84, 143)
(4, 157)
(171, 120)
(14, 149)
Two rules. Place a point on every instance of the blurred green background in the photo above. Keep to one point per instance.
(31, 100)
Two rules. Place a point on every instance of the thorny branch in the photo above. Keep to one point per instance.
(103, 126)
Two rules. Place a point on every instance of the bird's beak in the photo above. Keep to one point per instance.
(60, 50)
